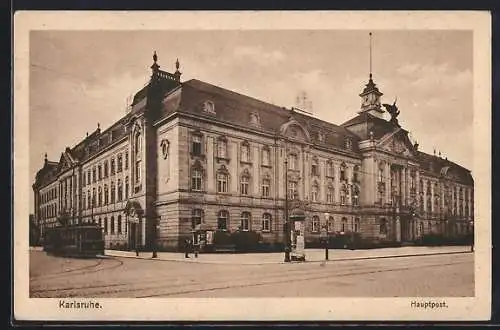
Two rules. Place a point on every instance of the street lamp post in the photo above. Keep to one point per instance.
(155, 238)
(287, 225)
(327, 217)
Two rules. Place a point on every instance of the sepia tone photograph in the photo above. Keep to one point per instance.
(305, 162)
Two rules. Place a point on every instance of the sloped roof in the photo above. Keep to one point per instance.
(235, 108)
(378, 126)
(443, 167)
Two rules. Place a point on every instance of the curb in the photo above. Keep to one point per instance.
(294, 262)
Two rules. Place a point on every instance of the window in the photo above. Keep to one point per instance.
(222, 182)
(84, 199)
(209, 107)
(112, 225)
(314, 167)
(106, 169)
(221, 148)
(266, 222)
(126, 163)
(138, 153)
(196, 217)
(137, 171)
(245, 152)
(315, 224)
(343, 195)
(355, 195)
(329, 194)
(355, 174)
(266, 156)
(99, 196)
(343, 176)
(348, 143)
(222, 221)
(381, 177)
(356, 224)
(421, 203)
(119, 224)
(120, 190)
(99, 171)
(314, 192)
(196, 144)
(196, 180)
(120, 163)
(245, 221)
(105, 224)
(106, 195)
(344, 224)
(100, 223)
(330, 225)
(94, 176)
(383, 226)
(112, 166)
(126, 187)
(292, 189)
(293, 162)
(89, 201)
(266, 184)
(83, 180)
(113, 195)
(245, 179)
(330, 171)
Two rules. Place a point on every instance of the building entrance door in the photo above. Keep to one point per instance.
(132, 237)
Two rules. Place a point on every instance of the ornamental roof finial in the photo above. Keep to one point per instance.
(155, 65)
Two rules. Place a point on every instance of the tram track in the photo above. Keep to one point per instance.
(193, 286)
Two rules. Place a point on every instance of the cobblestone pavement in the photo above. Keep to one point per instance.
(428, 276)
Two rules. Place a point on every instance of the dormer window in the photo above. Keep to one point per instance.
(208, 107)
(348, 143)
(254, 119)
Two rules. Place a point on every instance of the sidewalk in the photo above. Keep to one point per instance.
(312, 255)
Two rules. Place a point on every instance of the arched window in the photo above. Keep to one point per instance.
(331, 224)
(355, 174)
(120, 163)
(245, 152)
(343, 195)
(113, 190)
(330, 193)
(222, 181)
(266, 156)
(222, 220)
(315, 224)
(197, 217)
(99, 196)
(343, 174)
(315, 192)
(106, 194)
(106, 169)
(330, 171)
(246, 221)
(266, 187)
(112, 224)
(244, 184)
(266, 222)
(196, 179)
(120, 190)
(355, 195)
(344, 224)
(383, 226)
(315, 166)
(293, 163)
(222, 147)
(126, 187)
(119, 225)
(357, 224)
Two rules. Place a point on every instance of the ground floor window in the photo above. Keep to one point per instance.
(315, 224)
(222, 220)
(356, 224)
(196, 218)
(344, 225)
(245, 221)
(266, 222)
(331, 224)
(383, 226)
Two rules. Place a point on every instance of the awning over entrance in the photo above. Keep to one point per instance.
(297, 215)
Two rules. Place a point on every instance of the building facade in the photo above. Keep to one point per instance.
(191, 153)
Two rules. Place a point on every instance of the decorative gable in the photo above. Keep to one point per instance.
(397, 143)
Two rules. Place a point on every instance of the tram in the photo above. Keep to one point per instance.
(81, 240)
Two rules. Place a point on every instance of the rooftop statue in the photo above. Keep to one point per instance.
(393, 111)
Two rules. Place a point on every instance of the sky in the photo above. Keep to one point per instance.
(81, 78)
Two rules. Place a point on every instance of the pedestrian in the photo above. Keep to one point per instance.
(187, 245)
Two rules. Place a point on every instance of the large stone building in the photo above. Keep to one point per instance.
(189, 152)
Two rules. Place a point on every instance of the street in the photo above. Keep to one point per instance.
(445, 275)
